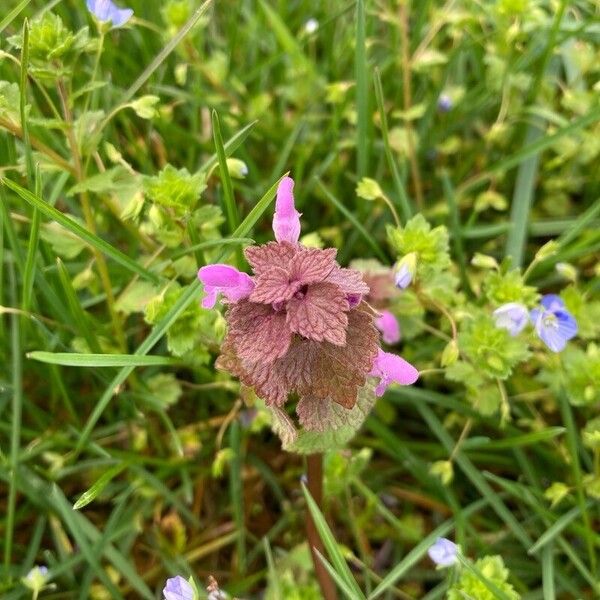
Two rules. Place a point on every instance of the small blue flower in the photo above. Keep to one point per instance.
(177, 588)
(443, 553)
(553, 323)
(512, 316)
(405, 270)
(444, 103)
(106, 10)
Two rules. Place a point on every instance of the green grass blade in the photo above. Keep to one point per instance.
(338, 561)
(362, 92)
(15, 421)
(522, 199)
(475, 476)
(548, 573)
(355, 222)
(337, 578)
(79, 231)
(164, 53)
(91, 494)
(572, 445)
(230, 206)
(405, 205)
(191, 293)
(12, 14)
(79, 317)
(32, 249)
(212, 244)
(456, 229)
(230, 146)
(71, 359)
(557, 527)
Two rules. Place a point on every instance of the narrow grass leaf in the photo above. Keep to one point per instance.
(71, 359)
(11, 15)
(337, 578)
(362, 92)
(338, 561)
(79, 231)
(90, 495)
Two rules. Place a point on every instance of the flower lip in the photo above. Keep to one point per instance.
(389, 327)
(391, 368)
(443, 552)
(225, 279)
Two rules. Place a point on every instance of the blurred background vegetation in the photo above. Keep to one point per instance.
(483, 116)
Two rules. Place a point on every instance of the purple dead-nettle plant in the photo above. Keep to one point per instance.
(301, 325)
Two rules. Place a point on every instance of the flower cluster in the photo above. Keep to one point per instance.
(300, 324)
(552, 322)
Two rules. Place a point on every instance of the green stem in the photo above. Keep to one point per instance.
(314, 471)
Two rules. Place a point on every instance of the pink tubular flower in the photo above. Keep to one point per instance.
(392, 369)
(389, 327)
(286, 220)
(224, 279)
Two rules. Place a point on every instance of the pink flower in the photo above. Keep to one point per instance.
(286, 220)
(389, 327)
(392, 369)
(224, 279)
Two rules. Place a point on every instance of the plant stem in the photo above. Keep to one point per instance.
(314, 463)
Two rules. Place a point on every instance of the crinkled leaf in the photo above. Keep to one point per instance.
(320, 315)
(257, 332)
(274, 285)
(312, 265)
(263, 258)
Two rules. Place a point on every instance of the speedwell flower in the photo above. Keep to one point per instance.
(443, 553)
(106, 10)
(512, 316)
(300, 324)
(553, 323)
(177, 588)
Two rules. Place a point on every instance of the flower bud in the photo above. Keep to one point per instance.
(450, 354)
(368, 189)
(237, 168)
(405, 270)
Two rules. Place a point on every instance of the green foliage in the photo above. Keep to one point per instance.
(193, 325)
(174, 189)
(502, 286)
(582, 375)
(492, 569)
(491, 350)
(429, 244)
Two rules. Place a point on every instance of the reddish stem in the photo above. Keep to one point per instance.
(315, 487)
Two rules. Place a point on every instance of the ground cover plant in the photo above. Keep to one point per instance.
(300, 299)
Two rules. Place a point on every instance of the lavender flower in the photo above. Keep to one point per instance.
(512, 316)
(106, 11)
(177, 588)
(36, 579)
(390, 368)
(443, 553)
(300, 323)
(389, 327)
(553, 323)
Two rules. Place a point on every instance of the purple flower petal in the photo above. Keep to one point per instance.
(390, 368)
(512, 316)
(554, 325)
(224, 279)
(389, 327)
(106, 10)
(552, 302)
(177, 588)
(443, 552)
(403, 277)
(286, 220)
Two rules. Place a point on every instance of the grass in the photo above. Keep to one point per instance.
(125, 456)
